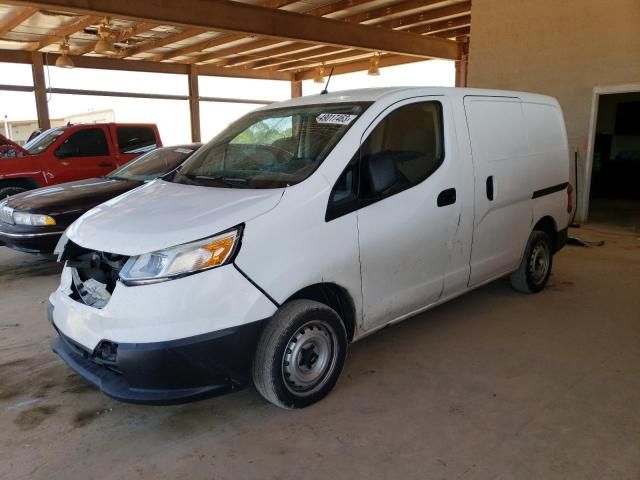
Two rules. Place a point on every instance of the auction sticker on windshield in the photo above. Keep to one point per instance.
(335, 118)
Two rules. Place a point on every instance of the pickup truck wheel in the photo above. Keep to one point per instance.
(534, 270)
(8, 191)
(300, 354)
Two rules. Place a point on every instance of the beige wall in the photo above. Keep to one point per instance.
(562, 48)
(21, 130)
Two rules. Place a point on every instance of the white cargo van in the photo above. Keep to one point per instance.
(305, 226)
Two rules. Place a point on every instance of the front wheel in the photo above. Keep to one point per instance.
(8, 191)
(300, 354)
(534, 270)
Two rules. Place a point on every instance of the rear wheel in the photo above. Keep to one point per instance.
(8, 191)
(534, 270)
(300, 354)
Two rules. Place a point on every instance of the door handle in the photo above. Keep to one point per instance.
(447, 197)
(490, 187)
(105, 164)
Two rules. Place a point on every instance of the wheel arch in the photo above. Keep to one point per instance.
(548, 225)
(333, 296)
(26, 183)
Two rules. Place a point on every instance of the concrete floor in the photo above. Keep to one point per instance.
(492, 385)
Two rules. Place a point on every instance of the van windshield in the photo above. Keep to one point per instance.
(270, 148)
(40, 143)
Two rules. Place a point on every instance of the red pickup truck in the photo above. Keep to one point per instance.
(74, 152)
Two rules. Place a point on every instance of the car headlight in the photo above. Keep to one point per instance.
(24, 218)
(181, 260)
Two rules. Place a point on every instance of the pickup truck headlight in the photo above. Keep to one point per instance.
(181, 260)
(32, 219)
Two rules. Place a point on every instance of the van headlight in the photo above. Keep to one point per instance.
(181, 260)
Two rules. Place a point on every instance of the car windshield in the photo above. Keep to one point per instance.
(270, 148)
(154, 164)
(40, 143)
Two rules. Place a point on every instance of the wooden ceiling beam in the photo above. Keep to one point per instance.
(357, 66)
(69, 28)
(327, 54)
(379, 14)
(335, 7)
(123, 35)
(22, 56)
(222, 39)
(443, 25)
(243, 48)
(219, 40)
(456, 32)
(318, 11)
(253, 20)
(436, 14)
(324, 60)
(168, 40)
(277, 55)
(429, 15)
(16, 19)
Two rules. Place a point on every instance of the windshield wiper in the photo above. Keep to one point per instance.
(233, 182)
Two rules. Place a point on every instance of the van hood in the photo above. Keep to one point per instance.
(161, 214)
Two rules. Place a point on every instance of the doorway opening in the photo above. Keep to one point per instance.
(615, 167)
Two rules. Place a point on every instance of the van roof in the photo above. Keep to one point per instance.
(375, 94)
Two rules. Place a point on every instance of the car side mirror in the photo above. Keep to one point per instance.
(66, 150)
(381, 172)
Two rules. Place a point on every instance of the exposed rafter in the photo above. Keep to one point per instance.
(16, 19)
(120, 37)
(247, 58)
(229, 38)
(22, 56)
(69, 28)
(242, 18)
(357, 66)
(443, 25)
(380, 13)
(168, 40)
(427, 16)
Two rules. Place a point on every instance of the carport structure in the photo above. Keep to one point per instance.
(287, 40)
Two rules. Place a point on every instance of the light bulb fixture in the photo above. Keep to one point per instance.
(63, 60)
(105, 44)
(318, 76)
(374, 63)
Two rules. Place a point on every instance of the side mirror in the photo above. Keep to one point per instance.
(66, 150)
(381, 172)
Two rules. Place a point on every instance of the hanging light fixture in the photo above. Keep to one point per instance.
(105, 44)
(318, 76)
(373, 65)
(63, 60)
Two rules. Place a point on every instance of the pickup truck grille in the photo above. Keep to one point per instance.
(6, 214)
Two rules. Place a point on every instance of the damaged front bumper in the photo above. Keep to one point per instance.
(165, 373)
(164, 343)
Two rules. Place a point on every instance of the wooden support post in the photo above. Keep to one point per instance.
(40, 90)
(194, 104)
(296, 88)
(461, 64)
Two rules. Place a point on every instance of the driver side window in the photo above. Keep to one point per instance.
(404, 149)
(90, 142)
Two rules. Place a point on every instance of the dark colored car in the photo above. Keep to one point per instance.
(33, 221)
(73, 152)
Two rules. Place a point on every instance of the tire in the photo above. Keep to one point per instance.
(8, 191)
(534, 270)
(300, 354)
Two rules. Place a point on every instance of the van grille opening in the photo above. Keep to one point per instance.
(94, 273)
